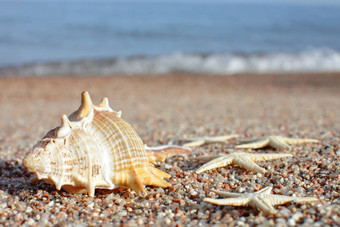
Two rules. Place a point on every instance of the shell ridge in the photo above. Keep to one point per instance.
(90, 184)
(122, 144)
(80, 164)
(59, 171)
(109, 138)
(79, 182)
(125, 147)
(148, 176)
(124, 161)
(106, 160)
(101, 129)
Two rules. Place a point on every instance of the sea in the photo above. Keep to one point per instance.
(87, 37)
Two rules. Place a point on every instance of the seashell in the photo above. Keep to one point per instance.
(95, 148)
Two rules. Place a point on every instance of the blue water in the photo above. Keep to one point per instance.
(46, 37)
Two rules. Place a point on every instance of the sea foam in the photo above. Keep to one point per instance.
(313, 60)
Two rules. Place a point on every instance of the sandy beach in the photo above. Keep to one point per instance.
(163, 110)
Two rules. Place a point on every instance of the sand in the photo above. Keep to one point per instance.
(164, 109)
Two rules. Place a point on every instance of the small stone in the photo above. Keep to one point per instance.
(90, 205)
(297, 216)
(51, 203)
(167, 221)
(193, 192)
(280, 221)
(30, 221)
(124, 213)
(140, 222)
(161, 214)
(291, 222)
(29, 210)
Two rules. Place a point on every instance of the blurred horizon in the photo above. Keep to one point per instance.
(140, 36)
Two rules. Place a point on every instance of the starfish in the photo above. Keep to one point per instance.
(278, 142)
(263, 200)
(199, 141)
(242, 159)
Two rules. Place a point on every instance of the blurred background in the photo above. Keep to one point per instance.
(159, 37)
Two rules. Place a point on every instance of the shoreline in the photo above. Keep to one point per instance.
(164, 109)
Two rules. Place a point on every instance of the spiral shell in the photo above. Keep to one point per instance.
(93, 148)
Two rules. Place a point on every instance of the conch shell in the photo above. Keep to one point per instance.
(95, 148)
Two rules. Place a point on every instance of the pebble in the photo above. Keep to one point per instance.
(30, 221)
(124, 213)
(29, 209)
(297, 216)
(51, 203)
(291, 222)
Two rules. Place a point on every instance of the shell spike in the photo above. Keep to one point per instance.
(104, 103)
(57, 182)
(90, 189)
(64, 129)
(58, 185)
(135, 182)
(86, 105)
(85, 108)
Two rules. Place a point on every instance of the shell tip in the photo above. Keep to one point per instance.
(86, 105)
(104, 102)
(64, 120)
(64, 129)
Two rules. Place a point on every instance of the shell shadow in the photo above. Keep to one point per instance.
(15, 179)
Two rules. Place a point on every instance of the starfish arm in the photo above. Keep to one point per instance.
(282, 199)
(160, 153)
(227, 194)
(218, 162)
(265, 157)
(304, 199)
(266, 190)
(248, 164)
(255, 145)
(206, 158)
(250, 140)
(229, 201)
(263, 204)
(190, 139)
(278, 143)
(297, 141)
(220, 139)
(195, 143)
(279, 199)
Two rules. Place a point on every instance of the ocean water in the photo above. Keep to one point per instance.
(109, 37)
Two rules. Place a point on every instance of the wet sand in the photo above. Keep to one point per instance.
(164, 109)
